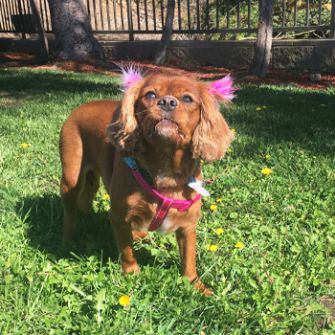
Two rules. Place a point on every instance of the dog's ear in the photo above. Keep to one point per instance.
(212, 136)
(124, 131)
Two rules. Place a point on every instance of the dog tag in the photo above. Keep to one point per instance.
(196, 185)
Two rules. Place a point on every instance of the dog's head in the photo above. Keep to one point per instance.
(171, 111)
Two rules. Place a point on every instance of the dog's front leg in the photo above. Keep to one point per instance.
(186, 239)
(124, 239)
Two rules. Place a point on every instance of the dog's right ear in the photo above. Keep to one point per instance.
(124, 131)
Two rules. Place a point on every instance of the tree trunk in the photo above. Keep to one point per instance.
(43, 53)
(71, 25)
(262, 54)
(167, 33)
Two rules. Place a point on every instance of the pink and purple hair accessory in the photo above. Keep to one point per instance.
(223, 89)
(129, 76)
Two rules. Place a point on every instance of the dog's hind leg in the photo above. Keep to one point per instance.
(88, 191)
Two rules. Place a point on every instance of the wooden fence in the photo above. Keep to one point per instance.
(218, 19)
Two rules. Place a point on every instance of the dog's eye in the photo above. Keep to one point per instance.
(187, 98)
(150, 95)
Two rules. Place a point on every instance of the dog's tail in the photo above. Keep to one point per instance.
(78, 187)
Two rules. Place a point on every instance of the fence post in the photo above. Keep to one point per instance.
(130, 21)
(22, 18)
(332, 20)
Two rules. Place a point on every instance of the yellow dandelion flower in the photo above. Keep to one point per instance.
(25, 145)
(258, 108)
(267, 157)
(106, 197)
(263, 107)
(266, 171)
(239, 245)
(219, 231)
(212, 248)
(327, 6)
(213, 207)
(233, 130)
(124, 300)
(219, 200)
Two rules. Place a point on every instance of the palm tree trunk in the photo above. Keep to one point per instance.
(72, 28)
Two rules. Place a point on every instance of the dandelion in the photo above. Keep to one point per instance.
(233, 130)
(239, 245)
(266, 171)
(327, 6)
(263, 107)
(124, 300)
(219, 200)
(213, 207)
(106, 197)
(258, 108)
(212, 248)
(219, 231)
(25, 145)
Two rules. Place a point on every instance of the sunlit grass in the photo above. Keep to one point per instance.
(265, 241)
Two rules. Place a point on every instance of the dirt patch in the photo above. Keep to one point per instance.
(277, 77)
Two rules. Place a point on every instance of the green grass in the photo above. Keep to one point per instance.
(285, 220)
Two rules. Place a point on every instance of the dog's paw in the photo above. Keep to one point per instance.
(200, 286)
(130, 268)
(138, 235)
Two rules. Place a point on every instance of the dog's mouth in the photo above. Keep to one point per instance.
(166, 124)
(168, 128)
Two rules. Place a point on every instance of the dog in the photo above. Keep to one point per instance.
(146, 149)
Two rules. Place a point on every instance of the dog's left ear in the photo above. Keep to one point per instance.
(212, 136)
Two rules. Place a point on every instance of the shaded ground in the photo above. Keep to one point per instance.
(281, 77)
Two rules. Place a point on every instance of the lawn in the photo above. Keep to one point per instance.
(265, 242)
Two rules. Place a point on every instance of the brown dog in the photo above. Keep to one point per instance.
(167, 124)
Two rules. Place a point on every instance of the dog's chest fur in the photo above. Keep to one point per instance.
(141, 213)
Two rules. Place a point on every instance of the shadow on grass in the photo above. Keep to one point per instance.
(29, 84)
(304, 118)
(43, 217)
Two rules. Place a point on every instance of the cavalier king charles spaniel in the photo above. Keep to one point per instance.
(147, 149)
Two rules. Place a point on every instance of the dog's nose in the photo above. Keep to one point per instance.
(167, 103)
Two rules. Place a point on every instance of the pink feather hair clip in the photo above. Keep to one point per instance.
(129, 76)
(223, 89)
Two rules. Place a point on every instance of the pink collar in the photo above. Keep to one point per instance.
(166, 203)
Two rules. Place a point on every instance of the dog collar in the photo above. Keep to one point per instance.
(165, 202)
